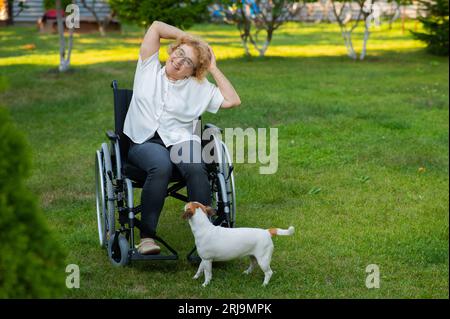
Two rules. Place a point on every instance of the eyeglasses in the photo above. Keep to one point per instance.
(187, 62)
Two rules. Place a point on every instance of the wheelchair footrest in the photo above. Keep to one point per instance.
(194, 259)
(135, 255)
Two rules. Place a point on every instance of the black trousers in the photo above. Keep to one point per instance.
(154, 158)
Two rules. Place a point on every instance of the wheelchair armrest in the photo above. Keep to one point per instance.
(213, 132)
(212, 126)
(112, 136)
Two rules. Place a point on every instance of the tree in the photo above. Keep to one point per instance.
(367, 11)
(182, 14)
(64, 57)
(393, 13)
(102, 23)
(22, 5)
(252, 17)
(324, 12)
(402, 7)
(436, 25)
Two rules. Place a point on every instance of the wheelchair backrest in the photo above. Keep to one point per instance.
(122, 99)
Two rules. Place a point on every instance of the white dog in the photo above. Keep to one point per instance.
(215, 243)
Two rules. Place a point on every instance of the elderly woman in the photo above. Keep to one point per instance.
(166, 101)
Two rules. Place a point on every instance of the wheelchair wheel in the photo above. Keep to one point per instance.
(118, 250)
(223, 190)
(104, 195)
(110, 205)
(100, 197)
(227, 171)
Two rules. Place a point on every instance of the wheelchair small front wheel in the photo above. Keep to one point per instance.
(118, 250)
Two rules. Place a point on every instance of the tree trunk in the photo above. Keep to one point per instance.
(62, 41)
(244, 30)
(366, 38)
(348, 44)
(69, 49)
(245, 45)
(105, 22)
(64, 63)
(91, 9)
(244, 34)
(403, 19)
(267, 43)
(10, 13)
(346, 33)
(263, 49)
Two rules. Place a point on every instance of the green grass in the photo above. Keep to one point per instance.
(352, 138)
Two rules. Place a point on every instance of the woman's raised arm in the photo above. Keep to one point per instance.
(158, 30)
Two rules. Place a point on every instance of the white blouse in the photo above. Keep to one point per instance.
(169, 107)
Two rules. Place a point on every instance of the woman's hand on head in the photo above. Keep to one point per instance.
(212, 65)
(231, 98)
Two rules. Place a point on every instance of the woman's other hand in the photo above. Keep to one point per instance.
(231, 98)
(213, 65)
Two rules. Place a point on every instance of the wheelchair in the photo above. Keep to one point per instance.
(116, 179)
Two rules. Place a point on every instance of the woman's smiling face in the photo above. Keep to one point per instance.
(181, 63)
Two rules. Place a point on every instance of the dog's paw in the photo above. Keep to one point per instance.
(205, 284)
(196, 277)
(247, 272)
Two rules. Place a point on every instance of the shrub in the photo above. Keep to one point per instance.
(436, 25)
(31, 261)
(182, 14)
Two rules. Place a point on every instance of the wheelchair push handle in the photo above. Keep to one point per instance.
(114, 84)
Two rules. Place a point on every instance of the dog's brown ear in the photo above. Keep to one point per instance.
(188, 213)
(210, 211)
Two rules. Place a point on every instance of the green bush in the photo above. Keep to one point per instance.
(51, 4)
(182, 14)
(31, 261)
(436, 25)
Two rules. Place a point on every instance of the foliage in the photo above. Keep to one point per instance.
(182, 14)
(51, 4)
(31, 261)
(252, 17)
(436, 25)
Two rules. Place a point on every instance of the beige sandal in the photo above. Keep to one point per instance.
(147, 246)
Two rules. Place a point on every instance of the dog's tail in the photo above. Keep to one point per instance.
(281, 232)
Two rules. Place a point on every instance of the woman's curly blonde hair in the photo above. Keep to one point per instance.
(201, 50)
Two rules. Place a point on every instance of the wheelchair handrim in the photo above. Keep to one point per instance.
(230, 176)
(100, 205)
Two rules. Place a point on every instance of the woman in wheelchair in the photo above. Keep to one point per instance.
(160, 120)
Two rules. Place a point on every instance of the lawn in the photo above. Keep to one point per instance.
(362, 161)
